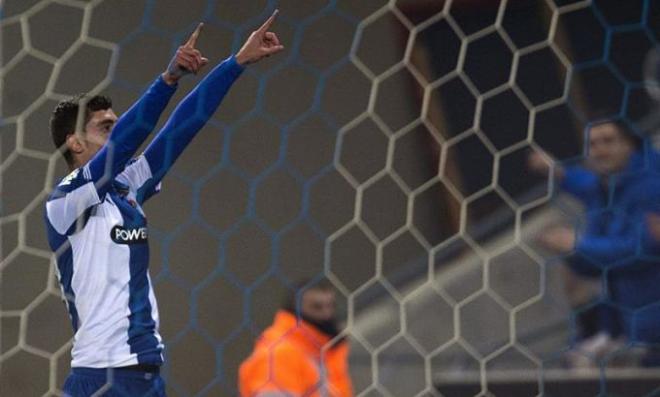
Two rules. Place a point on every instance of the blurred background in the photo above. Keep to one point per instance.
(386, 150)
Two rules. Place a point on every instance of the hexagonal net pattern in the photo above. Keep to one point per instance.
(385, 151)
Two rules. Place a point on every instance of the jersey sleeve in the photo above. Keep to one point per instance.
(130, 131)
(136, 175)
(188, 118)
(70, 200)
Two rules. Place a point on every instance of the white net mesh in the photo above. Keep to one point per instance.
(385, 151)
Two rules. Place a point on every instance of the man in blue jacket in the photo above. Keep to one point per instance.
(620, 188)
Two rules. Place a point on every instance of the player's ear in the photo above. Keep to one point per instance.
(74, 143)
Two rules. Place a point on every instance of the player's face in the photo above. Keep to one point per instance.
(319, 305)
(97, 131)
(609, 150)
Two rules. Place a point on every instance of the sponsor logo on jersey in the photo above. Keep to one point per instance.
(67, 179)
(137, 235)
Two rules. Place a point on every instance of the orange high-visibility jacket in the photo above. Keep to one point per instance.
(289, 358)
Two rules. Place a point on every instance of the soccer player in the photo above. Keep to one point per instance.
(96, 225)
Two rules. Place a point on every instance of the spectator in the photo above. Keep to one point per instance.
(301, 353)
(619, 187)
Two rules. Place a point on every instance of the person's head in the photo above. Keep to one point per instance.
(79, 145)
(316, 304)
(611, 143)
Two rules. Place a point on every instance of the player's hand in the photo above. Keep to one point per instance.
(187, 59)
(560, 239)
(260, 44)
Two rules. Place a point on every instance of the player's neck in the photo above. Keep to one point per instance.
(78, 161)
(75, 164)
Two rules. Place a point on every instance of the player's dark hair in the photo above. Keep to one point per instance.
(65, 115)
(294, 295)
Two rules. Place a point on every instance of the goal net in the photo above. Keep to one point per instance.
(385, 150)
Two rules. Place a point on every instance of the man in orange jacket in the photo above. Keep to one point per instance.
(299, 354)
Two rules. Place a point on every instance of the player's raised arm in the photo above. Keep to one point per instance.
(134, 126)
(188, 59)
(101, 149)
(198, 106)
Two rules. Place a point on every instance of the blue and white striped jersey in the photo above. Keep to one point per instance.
(103, 262)
(98, 231)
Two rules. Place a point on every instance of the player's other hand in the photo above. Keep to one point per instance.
(261, 44)
(187, 59)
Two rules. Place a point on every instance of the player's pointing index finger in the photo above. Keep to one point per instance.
(264, 28)
(192, 41)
